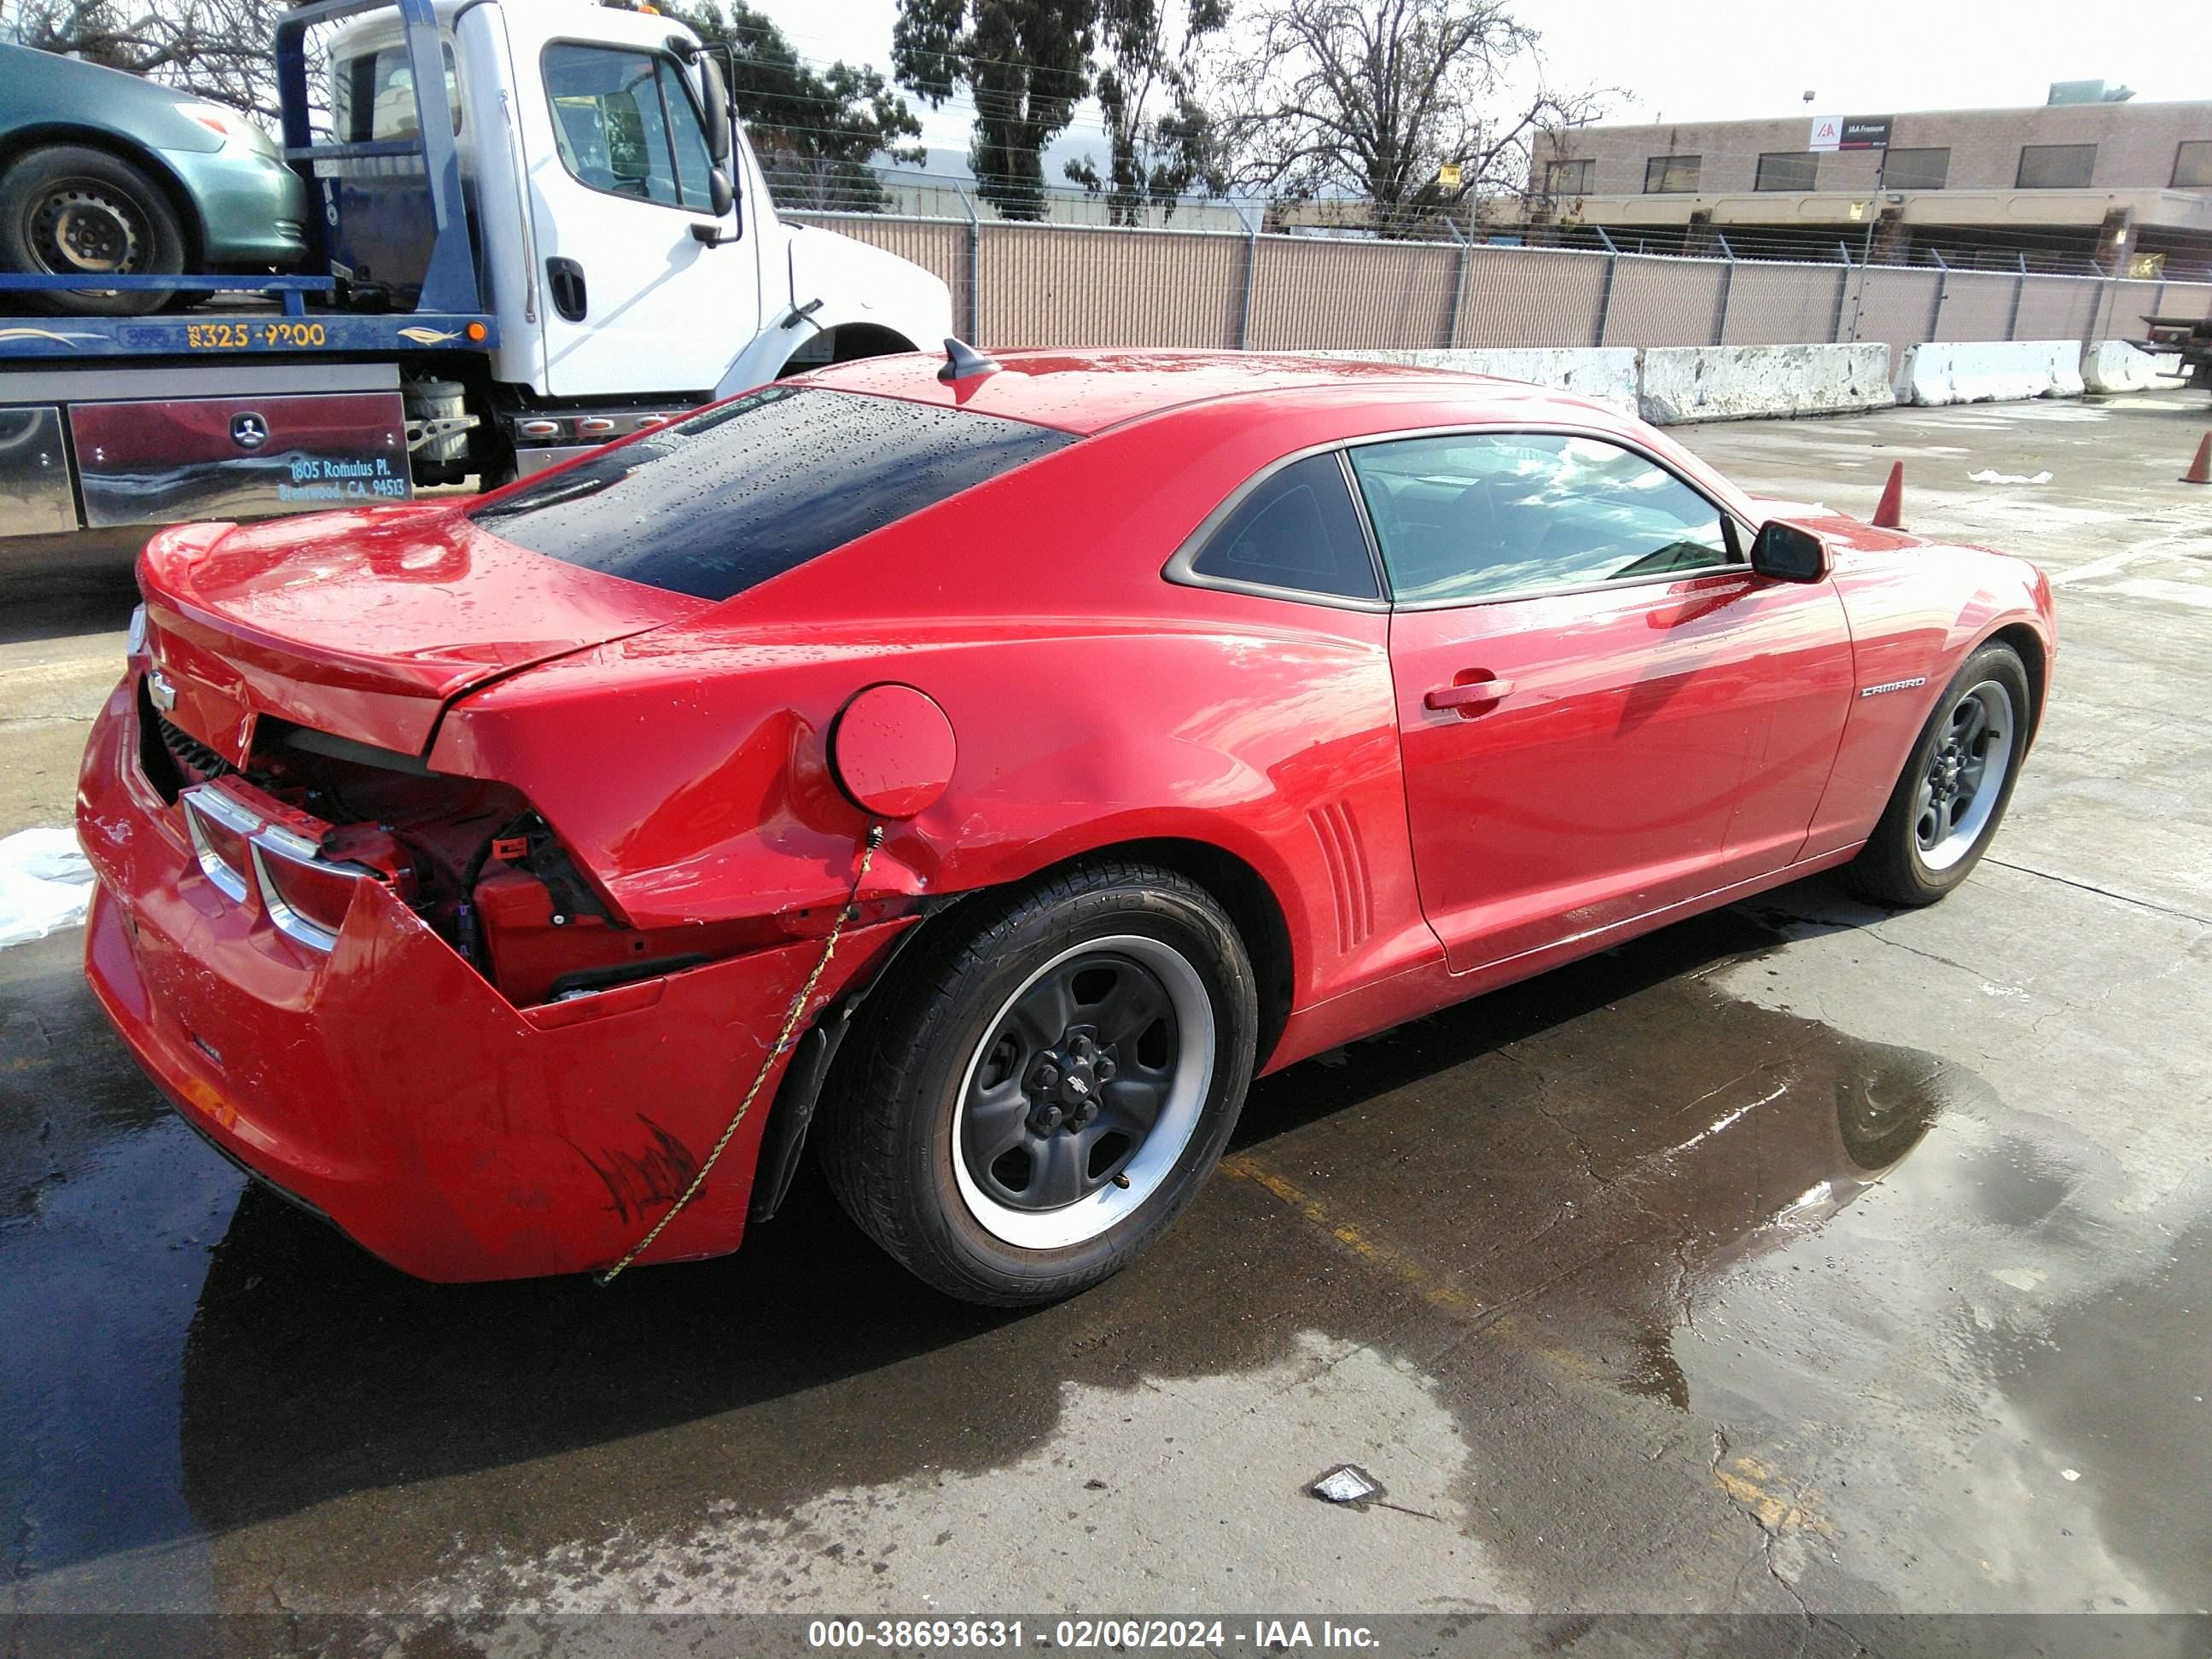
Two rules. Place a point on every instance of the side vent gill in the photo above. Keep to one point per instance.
(1338, 831)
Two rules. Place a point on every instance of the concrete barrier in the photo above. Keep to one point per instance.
(1681, 384)
(2115, 366)
(1988, 371)
(1604, 374)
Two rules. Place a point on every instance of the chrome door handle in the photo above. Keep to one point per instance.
(1465, 696)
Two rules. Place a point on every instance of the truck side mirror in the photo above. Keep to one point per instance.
(718, 111)
(1789, 553)
(721, 197)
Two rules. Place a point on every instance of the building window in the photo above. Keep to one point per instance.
(1671, 175)
(1783, 169)
(2056, 167)
(2192, 165)
(1568, 178)
(1915, 169)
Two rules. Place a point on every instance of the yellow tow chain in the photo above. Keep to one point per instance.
(850, 912)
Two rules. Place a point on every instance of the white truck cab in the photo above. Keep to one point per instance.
(559, 238)
(629, 258)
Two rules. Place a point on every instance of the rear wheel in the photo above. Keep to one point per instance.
(68, 211)
(1946, 807)
(1037, 1095)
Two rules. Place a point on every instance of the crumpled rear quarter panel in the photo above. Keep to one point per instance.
(390, 1086)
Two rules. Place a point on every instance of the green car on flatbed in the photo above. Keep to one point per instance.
(104, 174)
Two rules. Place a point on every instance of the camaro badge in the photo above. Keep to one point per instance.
(1893, 685)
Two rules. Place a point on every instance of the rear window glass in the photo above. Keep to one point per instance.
(1297, 530)
(723, 502)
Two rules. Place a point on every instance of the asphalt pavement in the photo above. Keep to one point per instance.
(1808, 1258)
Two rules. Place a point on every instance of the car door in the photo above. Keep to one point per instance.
(1602, 712)
(619, 168)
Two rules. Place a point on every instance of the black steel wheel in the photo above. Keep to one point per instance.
(1039, 1089)
(67, 210)
(1952, 795)
(1085, 1091)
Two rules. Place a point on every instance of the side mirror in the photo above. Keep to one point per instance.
(721, 197)
(718, 110)
(1787, 553)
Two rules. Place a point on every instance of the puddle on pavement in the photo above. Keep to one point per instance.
(1599, 1215)
(62, 1100)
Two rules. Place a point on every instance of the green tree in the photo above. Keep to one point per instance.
(1027, 64)
(815, 132)
(1152, 159)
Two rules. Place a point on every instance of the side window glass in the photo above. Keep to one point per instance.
(1297, 530)
(687, 136)
(1484, 516)
(624, 123)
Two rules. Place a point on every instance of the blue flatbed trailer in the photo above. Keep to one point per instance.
(223, 410)
(281, 322)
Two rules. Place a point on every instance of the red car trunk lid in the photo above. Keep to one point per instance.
(363, 624)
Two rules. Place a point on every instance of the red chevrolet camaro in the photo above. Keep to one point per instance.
(978, 770)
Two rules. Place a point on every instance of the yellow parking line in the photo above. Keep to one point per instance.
(1428, 1284)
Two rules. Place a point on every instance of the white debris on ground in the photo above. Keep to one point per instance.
(45, 883)
(1991, 475)
(1347, 1483)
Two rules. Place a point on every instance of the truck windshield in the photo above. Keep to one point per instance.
(723, 502)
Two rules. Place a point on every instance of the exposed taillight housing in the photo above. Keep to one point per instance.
(307, 896)
(304, 894)
(220, 829)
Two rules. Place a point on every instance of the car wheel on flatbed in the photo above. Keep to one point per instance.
(1948, 804)
(68, 211)
(1041, 1090)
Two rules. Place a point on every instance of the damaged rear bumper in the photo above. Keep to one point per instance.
(386, 1085)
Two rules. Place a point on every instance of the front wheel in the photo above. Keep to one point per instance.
(1946, 807)
(67, 210)
(1037, 1095)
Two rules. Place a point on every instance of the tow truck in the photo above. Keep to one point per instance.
(535, 227)
(2189, 336)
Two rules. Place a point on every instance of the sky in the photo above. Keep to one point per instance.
(1724, 59)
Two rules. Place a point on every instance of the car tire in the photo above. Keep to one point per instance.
(66, 208)
(953, 1128)
(1952, 795)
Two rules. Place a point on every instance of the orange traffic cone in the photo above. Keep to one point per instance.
(1890, 513)
(2200, 470)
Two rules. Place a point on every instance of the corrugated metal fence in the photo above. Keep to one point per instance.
(1046, 284)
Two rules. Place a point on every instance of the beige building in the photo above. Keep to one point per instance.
(2057, 183)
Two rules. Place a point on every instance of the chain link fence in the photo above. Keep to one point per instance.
(1019, 283)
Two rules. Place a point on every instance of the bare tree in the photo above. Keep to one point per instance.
(221, 49)
(1383, 98)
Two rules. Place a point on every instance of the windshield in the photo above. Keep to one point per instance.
(723, 502)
